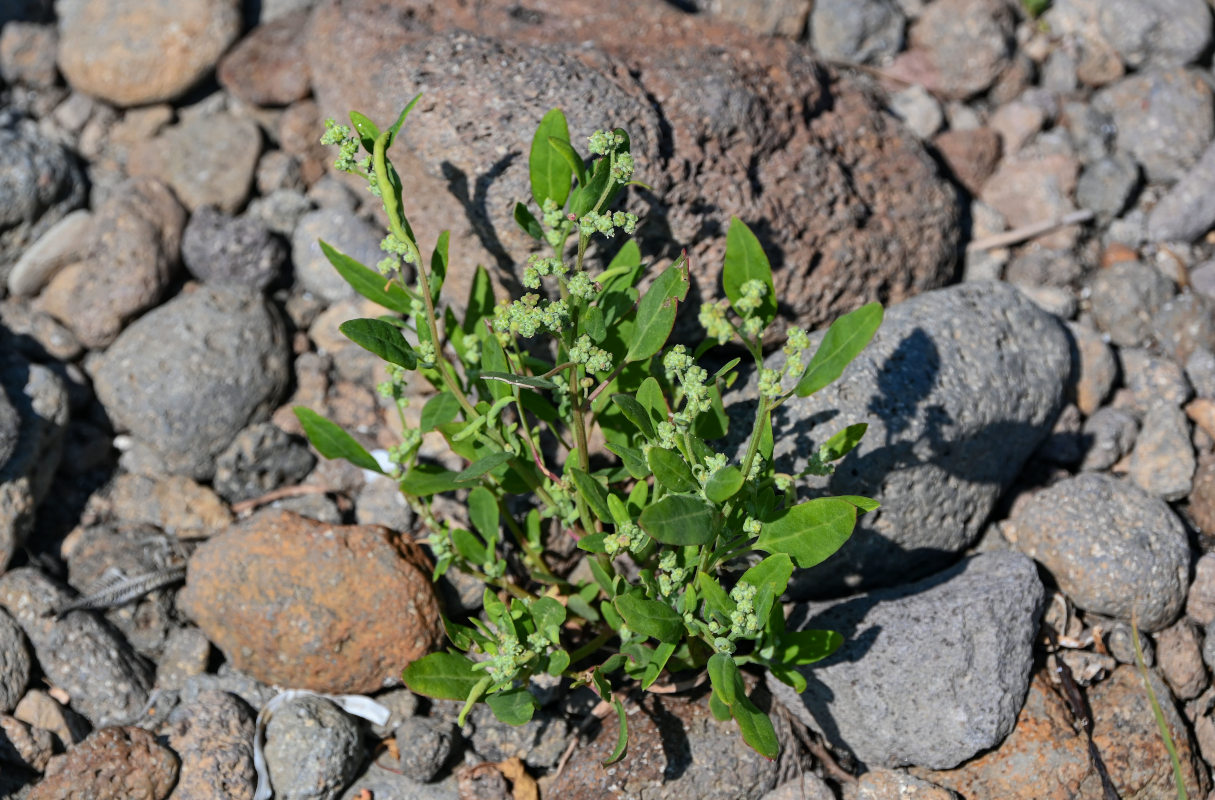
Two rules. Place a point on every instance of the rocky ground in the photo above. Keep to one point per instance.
(1032, 198)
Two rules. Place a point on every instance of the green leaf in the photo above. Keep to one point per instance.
(633, 460)
(728, 688)
(773, 572)
(587, 195)
(426, 479)
(810, 532)
(438, 266)
(526, 381)
(558, 662)
(547, 167)
(592, 492)
(594, 324)
(722, 674)
(746, 261)
(483, 512)
(622, 733)
(789, 677)
(806, 647)
(844, 341)
(443, 676)
(720, 711)
(623, 270)
(671, 470)
(548, 615)
(439, 410)
(724, 484)
(567, 151)
(656, 312)
(493, 359)
(528, 222)
(865, 504)
(480, 300)
(593, 543)
(483, 465)
(369, 283)
(513, 706)
(635, 413)
(842, 443)
(716, 599)
(468, 546)
(662, 654)
(332, 442)
(678, 519)
(382, 338)
(366, 130)
(649, 394)
(649, 617)
(396, 126)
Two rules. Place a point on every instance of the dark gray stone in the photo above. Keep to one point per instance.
(385, 782)
(255, 693)
(41, 403)
(540, 742)
(10, 429)
(1152, 380)
(1124, 298)
(221, 249)
(401, 704)
(1208, 647)
(1107, 184)
(1108, 435)
(40, 182)
(1187, 211)
(381, 503)
(260, 459)
(354, 236)
(952, 417)
(425, 745)
(1111, 547)
(929, 673)
(106, 680)
(14, 663)
(1065, 444)
(1164, 119)
(1156, 32)
(1163, 462)
(212, 733)
(187, 376)
(856, 30)
(313, 749)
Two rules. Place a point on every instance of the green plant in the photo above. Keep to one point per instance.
(1035, 8)
(666, 522)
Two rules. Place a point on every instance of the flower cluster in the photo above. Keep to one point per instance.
(607, 223)
(538, 267)
(580, 285)
(693, 379)
(713, 319)
(603, 143)
(796, 343)
(743, 621)
(671, 577)
(595, 359)
(531, 314)
(627, 538)
(348, 146)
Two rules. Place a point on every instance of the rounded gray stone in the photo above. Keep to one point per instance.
(1111, 547)
(260, 459)
(345, 232)
(1151, 380)
(425, 745)
(1107, 184)
(188, 376)
(313, 749)
(14, 663)
(929, 673)
(856, 30)
(212, 732)
(1156, 32)
(1108, 435)
(221, 249)
(958, 387)
(1184, 324)
(1124, 298)
(1163, 461)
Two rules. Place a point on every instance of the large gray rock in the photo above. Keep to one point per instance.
(313, 749)
(36, 400)
(1111, 547)
(212, 733)
(185, 378)
(856, 30)
(930, 673)
(1187, 211)
(959, 387)
(1156, 32)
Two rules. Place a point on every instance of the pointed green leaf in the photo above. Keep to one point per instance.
(382, 338)
(633, 460)
(547, 167)
(439, 410)
(623, 270)
(864, 504)
(483, 512)
(728, 688)
(426, 479)
(746, 261)
(332, 442)
(671, 470)
(649, 617)
(480, 300)
(622, 733)
(438, 266)
(810, 532)
(592, 492)
(720, 711)
(724, 484)
(369, 283)
(567, 151)
(548, 615)
(789, 677)
(842, 443)
(679, 519)
(443, 676)
(635, 413)
(593, 322)
(843, 342)
(558, 662)
(513, 706)
(722, 674)
(482, 466)
(528, 222)
(526, 381)
(662, 654)
(649, 394)
(366, 130)
(656, 312)
(806, 647)
(493, 359)
(716, 600)
(468, 546)
(396, 126)
(773, 572)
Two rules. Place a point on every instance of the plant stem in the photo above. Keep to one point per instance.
(590, 647)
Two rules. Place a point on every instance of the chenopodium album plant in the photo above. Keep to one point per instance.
(666, 521)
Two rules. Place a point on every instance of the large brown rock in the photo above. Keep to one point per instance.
(120, 763)
(298, 603)
(1046, 759)
(724, 124)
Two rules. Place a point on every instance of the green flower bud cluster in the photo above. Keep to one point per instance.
(671, 577)
(752, 297)
(797, 342)
(530, 315)
(601, 143)
(783, 482)
(504, 666)
(401, 452)
(627, 538)
(595, 359)
(537, 642)
(712, 464)
(580, 285)
(693, 379)
(348, 146)
(622, 168)
(666, 435)
(607, 223)
(743, 621)
(752, 526)
(769, 383)
(538, 267)
(713, 320)
(399, 252)
(426, 352)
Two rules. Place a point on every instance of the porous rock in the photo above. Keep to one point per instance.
(1163, 461)
(14, 663)
(302, 604)
(138, 52)
(313, 749)
(1112, 547)
(218, 337)
(218, 248)
(929, 673)
(1124, 298)
(967, 43)
(947, 432)
(212, 733)
(267, 67)
(116, 763)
